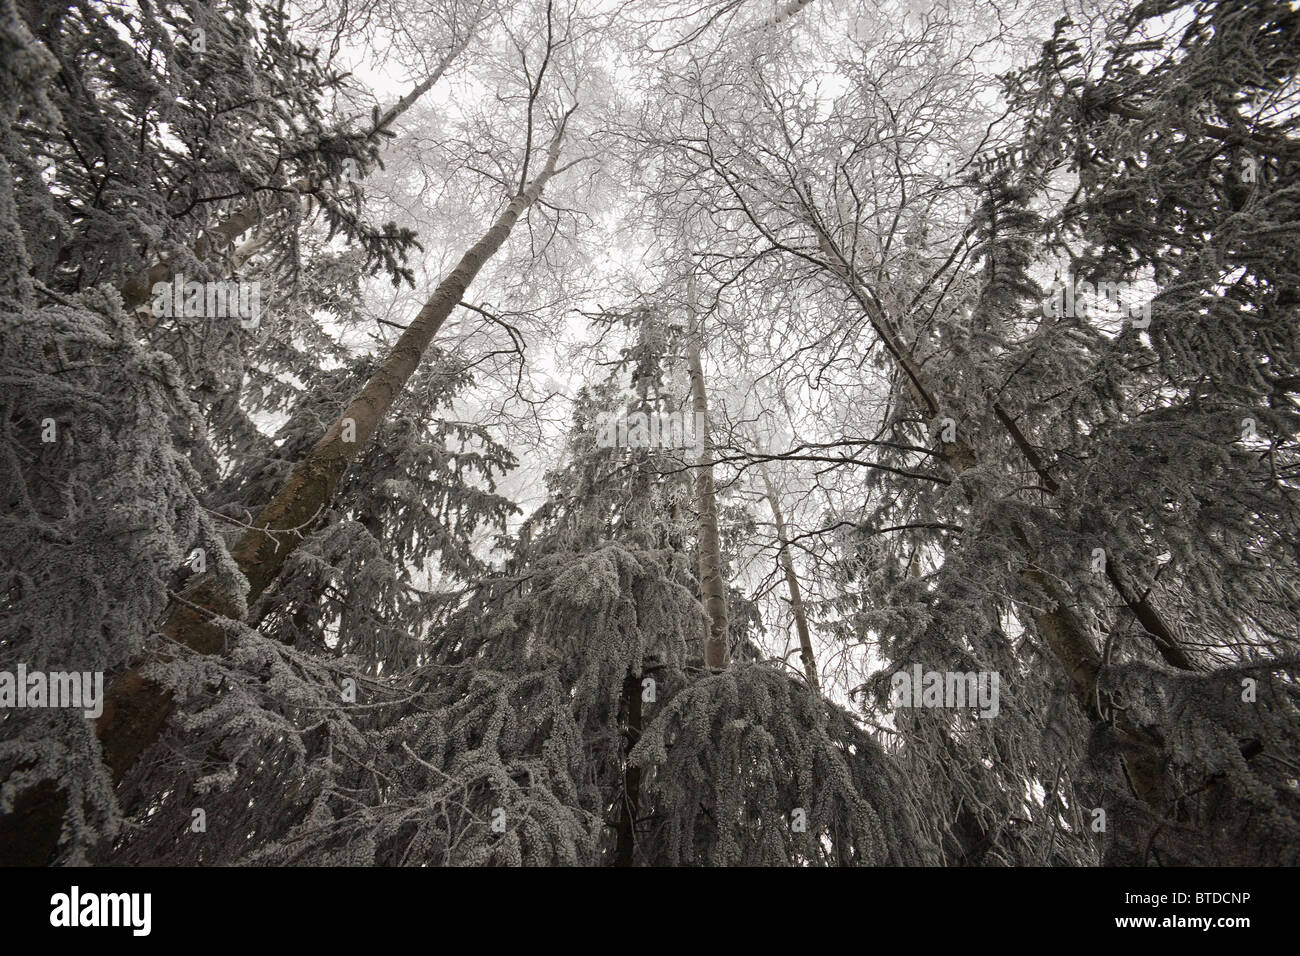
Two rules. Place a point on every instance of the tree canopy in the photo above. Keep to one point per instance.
(824, 432)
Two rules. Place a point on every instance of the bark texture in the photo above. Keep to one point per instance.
(717, 650)
(792, 583)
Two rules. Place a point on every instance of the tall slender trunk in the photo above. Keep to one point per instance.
(792, 583)
(717, 650)
(136, 709)
(630, 804)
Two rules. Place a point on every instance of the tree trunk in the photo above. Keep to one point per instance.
(792, 582)
(717, 650)
(630, 805)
